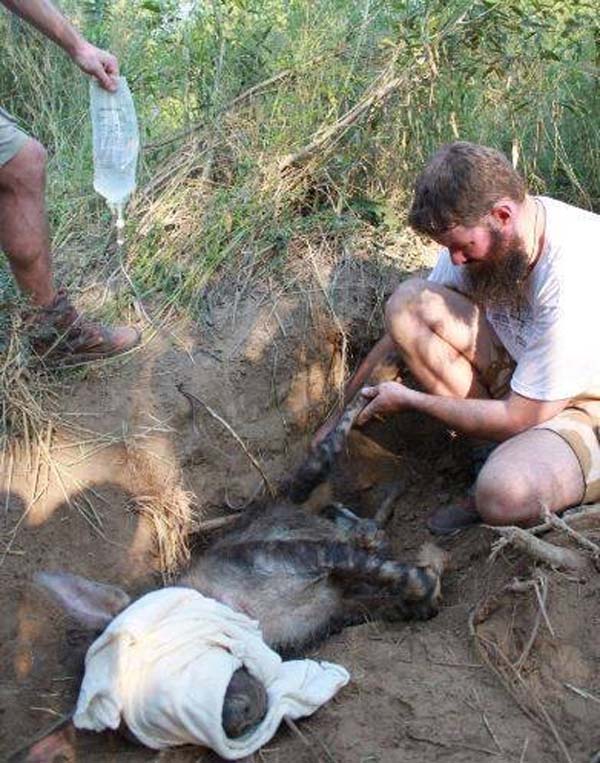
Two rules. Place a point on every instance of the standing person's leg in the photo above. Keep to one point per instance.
(24, 238)
(24, 234)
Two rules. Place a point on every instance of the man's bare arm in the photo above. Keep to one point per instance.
(43, 15)
(487, 419)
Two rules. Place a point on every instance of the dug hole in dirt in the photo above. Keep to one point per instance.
(117, 482)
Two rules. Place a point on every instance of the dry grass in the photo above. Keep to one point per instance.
(160, 497)
(27, 392)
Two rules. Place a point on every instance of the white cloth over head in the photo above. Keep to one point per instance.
(163, 666)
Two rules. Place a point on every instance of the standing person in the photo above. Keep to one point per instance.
(501, 337)
(24, 236)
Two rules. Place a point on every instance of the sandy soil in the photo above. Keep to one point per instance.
(268, 362)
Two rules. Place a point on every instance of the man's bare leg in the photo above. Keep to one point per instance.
(449, 347)
(55, 325)
(529, 471)
(443, 338)
(24, 234)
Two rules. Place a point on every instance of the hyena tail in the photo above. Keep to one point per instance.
(317, 465)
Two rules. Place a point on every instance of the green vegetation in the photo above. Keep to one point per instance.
(226, 89)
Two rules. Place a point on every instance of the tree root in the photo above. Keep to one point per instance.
(557, 557)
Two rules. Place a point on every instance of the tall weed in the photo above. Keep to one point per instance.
(521, 75)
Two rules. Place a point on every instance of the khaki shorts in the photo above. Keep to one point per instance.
(578, 424)
(12, 137)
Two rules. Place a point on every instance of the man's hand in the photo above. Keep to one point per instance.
(50, 21)
(98, 63)
(387, 397)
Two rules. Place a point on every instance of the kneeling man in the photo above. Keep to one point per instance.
(501, 337)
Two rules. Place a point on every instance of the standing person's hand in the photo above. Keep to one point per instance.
(100, 64)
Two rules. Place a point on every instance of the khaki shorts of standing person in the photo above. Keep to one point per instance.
(12, 137)
(578, 424)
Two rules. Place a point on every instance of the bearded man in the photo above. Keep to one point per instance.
(501, 337)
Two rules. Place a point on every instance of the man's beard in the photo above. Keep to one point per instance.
(501, 278)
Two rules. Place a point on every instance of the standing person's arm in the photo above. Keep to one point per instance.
(48, 19)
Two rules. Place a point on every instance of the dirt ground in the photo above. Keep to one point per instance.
(268, 362)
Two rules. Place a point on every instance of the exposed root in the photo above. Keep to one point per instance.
(577, 537)
(579, 515)
(540, 550)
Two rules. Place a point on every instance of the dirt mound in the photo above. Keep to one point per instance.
(91, 497)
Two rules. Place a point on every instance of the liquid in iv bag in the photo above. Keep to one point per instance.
(116, 146)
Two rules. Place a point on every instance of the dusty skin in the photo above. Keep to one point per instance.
(269, 362)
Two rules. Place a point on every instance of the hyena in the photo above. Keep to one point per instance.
(302, 575)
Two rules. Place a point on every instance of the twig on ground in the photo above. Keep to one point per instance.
(487, 648)
(541, 597)
(555, 556)
(561, 525)
(450, 745)
(487, 607)
(194, 401)
(541, 590)
(11, 468)
(583, 693)
(295, 730)
(571, 516)
(209, 525)
(491, 731)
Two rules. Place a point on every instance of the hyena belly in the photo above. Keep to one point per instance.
(259, 568)
(302, 578)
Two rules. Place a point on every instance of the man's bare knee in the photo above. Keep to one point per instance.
(499, 491)
(416, 303)
(503, 496)
(26, 171)
(403, 310)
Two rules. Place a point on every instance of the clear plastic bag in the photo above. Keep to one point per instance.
(115, 144)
